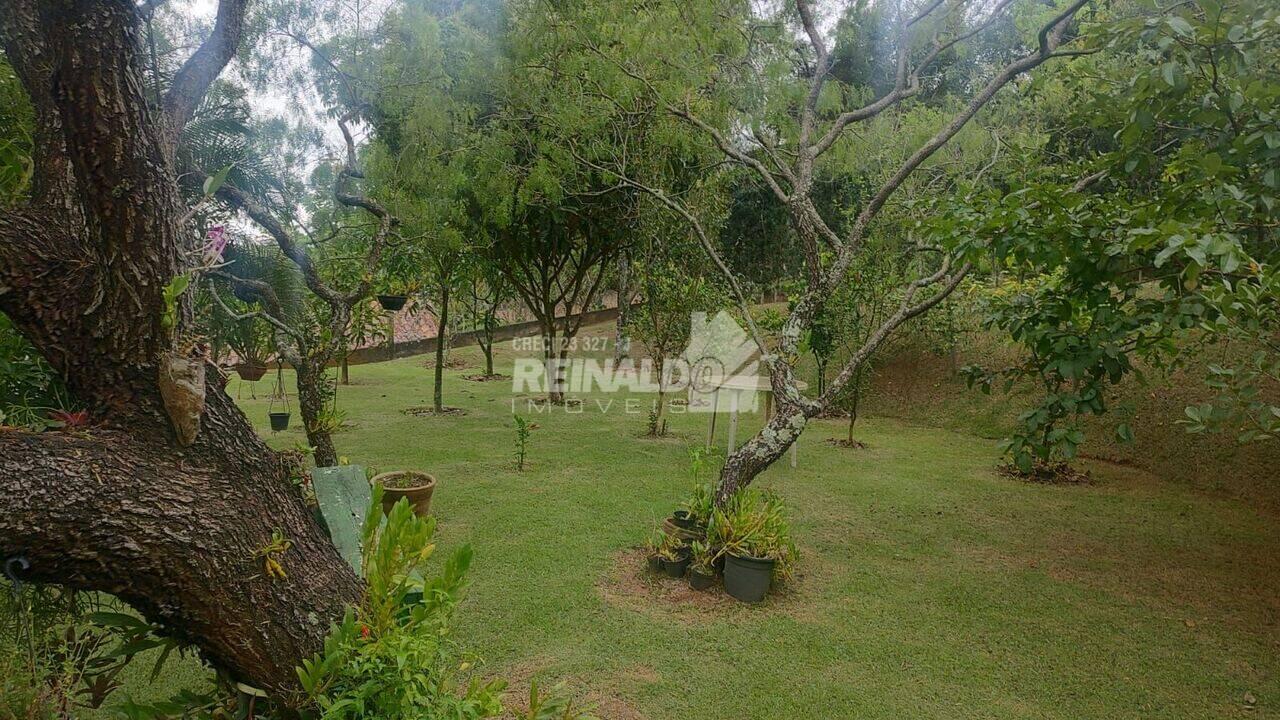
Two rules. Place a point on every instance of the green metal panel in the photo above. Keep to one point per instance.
(344, 497)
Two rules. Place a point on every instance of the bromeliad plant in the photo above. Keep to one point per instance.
(393, 656)
(703, 558)
(672, 548)
(753, 524)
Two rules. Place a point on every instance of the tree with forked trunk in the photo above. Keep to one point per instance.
(785, 148)
(164, 506)
(310, 348)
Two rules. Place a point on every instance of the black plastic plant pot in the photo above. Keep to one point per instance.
(699, 580)
(675, 568)
(681, 519)
(719, 561)
(655, 563)
(747, 578)
(279, 421)
(392, 303)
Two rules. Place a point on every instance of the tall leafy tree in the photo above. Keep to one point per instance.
(88, 269)
(1159, 239)
(792, 115)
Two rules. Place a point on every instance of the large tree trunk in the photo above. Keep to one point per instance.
(441, 334)
(622, 338)
(762, 450)
(314, 397)
(125, 507)
(485, 339)
(174, 533)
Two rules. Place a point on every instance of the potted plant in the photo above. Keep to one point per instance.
(416, 486)
(702, 571)
(249, 339)
(755, 539)
(675, 556)
(681, 519)
(699, 506)
(392, 302)
(652, 545)
(279, 418)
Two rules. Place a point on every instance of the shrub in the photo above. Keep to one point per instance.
(523, 431)
(393, 656)
(702, 501)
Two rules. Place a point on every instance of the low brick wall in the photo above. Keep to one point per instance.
(385, 352)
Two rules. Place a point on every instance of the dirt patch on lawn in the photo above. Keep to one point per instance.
(428, 411)
(1057, 473)
(629, 585)
(599, 697)
(486, 378)
(846, 443)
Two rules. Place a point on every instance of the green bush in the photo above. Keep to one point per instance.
(393, 655)
(29, 388)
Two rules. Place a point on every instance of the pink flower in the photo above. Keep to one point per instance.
(218, 239)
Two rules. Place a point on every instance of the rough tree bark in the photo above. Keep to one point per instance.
(626, 291)
(122, 507)
(315, 394)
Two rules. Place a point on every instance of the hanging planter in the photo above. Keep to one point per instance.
(392, 303)
(279, 418)
(251, 370)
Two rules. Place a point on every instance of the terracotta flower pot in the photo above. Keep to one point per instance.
(251, 371)
(411, 484)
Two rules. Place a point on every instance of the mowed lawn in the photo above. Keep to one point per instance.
(929, 585)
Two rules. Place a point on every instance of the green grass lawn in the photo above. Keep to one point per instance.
(929, 586)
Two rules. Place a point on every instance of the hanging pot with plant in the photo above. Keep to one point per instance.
(279, 418)
(251, 370)
(416, 486)
(392, 303)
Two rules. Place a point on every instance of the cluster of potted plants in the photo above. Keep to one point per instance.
(748, 542)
